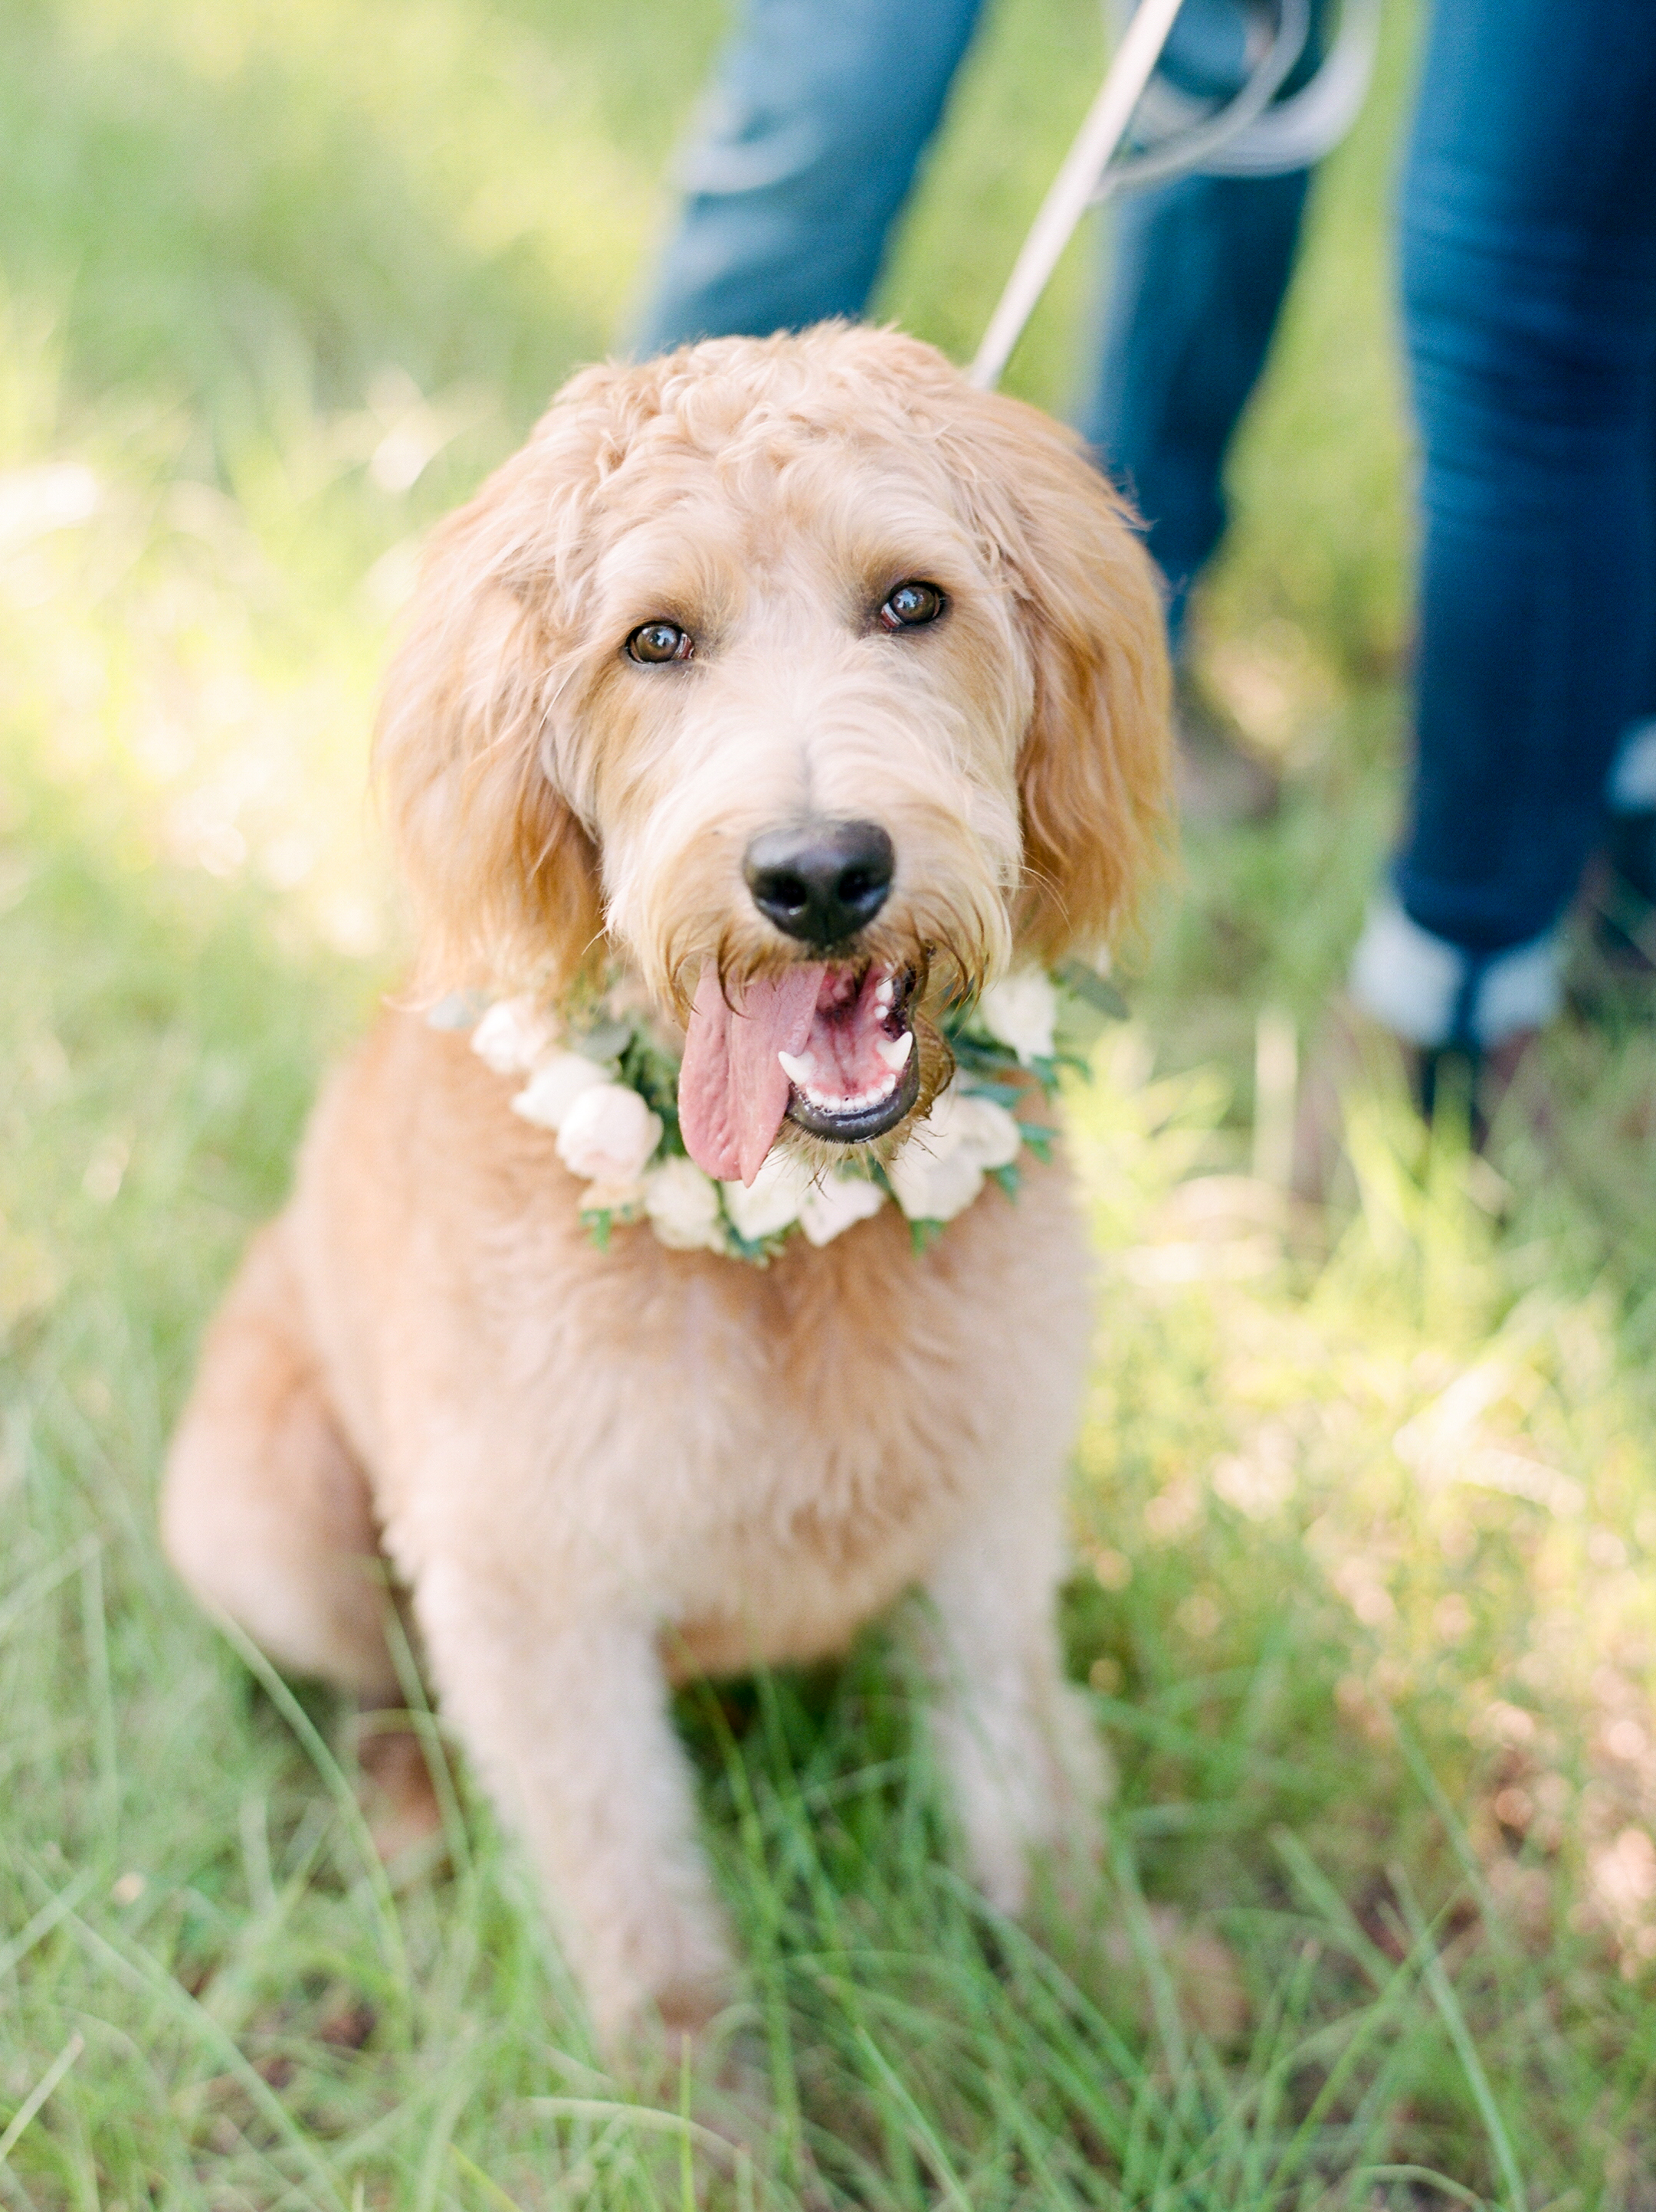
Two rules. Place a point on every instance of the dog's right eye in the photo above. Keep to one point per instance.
(655, 642)
(911, 605)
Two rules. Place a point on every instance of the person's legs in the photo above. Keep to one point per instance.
(1197, 271)
(816, 121)
(1197, 277)
(1529, 291)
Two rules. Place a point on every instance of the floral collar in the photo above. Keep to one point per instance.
(604, 1076)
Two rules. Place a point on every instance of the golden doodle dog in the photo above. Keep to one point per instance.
(776, 698)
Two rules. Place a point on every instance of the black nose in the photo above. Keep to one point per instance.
(823, 881)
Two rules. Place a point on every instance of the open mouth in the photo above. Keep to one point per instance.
(828, 1048)
(857, 1073)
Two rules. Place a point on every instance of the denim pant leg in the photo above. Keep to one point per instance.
(1530, 292)
(1631, 790)
(804, 155)
(1198, 278)
(1197, 271)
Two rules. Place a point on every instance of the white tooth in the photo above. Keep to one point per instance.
(885, 992)
(798, 1066)
(816, 1097)
(884, 1090)
(895, 1051)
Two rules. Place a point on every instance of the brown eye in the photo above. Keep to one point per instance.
(911, 605)
(655, 641)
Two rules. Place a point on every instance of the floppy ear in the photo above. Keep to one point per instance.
(504, 876)
(1093, 769)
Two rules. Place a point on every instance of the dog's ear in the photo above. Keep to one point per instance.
(504, 876)
(1093, 771)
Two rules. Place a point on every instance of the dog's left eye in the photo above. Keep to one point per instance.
(911, 605)
(655, 641)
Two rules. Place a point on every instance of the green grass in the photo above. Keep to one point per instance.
(1364, 1526)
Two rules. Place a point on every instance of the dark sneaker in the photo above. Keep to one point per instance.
(1615, 971)
(1611, 976)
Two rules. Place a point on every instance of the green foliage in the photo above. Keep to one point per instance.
(1363, 1522)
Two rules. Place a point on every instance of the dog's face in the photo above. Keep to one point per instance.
(806, 679)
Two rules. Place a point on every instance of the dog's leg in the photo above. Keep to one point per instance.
(569, 1723)
(264, 1512)
(1017, 1742)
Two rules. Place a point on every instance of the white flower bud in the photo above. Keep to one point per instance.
(1021, 1010)
(556, 1085)
(513, 1034)
(771, 1202)
(933, 1186)
(986, 1133)
(683, 1206)
(941, 1170)
(837, 1203)
(608, 1133)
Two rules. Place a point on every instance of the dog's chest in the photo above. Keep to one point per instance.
(774, 1455)
(767, 1455)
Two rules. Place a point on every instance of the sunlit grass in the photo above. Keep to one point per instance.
(1364, 1519)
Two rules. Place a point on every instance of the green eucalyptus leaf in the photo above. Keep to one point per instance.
(1092, 989)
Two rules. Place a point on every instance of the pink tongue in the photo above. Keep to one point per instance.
(732, 1090)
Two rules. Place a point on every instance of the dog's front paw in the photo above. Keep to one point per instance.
(1035, 1797)
(654, 1979)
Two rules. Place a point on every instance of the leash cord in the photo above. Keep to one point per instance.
(1194, 144)
(1071, 189)
(1246, 138)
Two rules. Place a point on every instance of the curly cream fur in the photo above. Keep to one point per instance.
(595, 1471)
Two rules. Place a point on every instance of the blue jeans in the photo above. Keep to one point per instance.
(1529, 272)
(806, 152)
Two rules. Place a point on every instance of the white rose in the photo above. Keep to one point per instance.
(934, 1185)
(941, 1170)
(837, 1203)
(987, 1133)
(559, 1080)
(608, 1133)
(1021, 1010)
(513, 1034)
(771, 1202)
(683, 1206)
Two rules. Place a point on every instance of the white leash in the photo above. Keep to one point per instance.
(1248, 138)
(1284, 134)
(1071, 189)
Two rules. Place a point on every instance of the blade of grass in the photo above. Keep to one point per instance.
(46, 1920)
(45, 1580)
(328, 1769)
(142, 1972)
(1454, 2020)
(921, 2132)
(37, 2095)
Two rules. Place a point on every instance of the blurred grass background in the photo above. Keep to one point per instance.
(1364, 1522)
